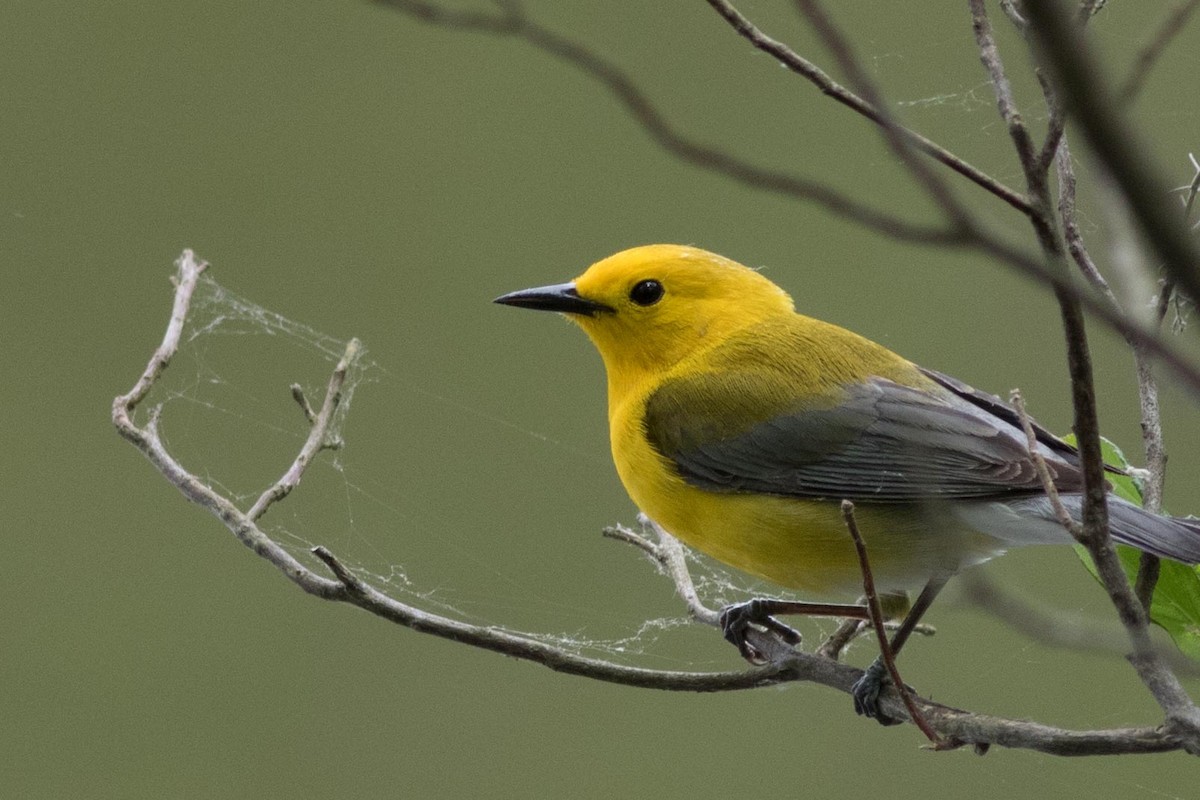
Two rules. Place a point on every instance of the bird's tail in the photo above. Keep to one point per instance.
(1176, 538)
(1032, 520)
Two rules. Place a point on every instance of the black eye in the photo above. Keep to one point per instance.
(646, 293)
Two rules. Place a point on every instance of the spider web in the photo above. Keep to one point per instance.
(229, 417)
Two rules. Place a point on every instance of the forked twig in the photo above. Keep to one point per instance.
(318, 435)
(668, 554)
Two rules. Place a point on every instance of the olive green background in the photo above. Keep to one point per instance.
(368, 175)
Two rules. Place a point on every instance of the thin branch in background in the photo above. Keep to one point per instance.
(894, 133)
(1034, 165)
(831, 88)
(1150, 52)
(1153, 443)
(1056, 127)
(1051, 627)
(1073, 237)
(976, 237)
(651, 120)
(1085, 93)
(515, 24)
(989, 54)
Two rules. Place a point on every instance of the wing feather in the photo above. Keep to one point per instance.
(879, 441)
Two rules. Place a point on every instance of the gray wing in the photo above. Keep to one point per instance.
(882, 442)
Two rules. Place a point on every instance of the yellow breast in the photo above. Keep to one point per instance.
(801, 544)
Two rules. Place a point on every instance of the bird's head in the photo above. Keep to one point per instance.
(647, 308)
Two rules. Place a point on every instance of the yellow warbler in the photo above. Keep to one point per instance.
(740, 425)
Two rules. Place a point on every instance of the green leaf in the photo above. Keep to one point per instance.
(1176, 604)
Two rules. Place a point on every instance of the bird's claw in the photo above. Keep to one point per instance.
(866, 692)
(736, 621)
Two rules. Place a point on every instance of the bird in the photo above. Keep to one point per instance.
(741, 426)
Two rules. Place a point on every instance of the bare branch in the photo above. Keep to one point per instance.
(1150, 52)
(1070, 224)
(1181, 714)
(147, 440)
(1035, 455)
(1052, 627)
(668, 554)
(1086, 95)
(815, 75)
(989, 54)
(638, 104)
(318, 435)
(894, 134)
(885, 647)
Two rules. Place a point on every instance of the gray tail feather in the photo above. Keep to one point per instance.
(1175, 538)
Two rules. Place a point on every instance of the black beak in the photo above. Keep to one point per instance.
(559, 297)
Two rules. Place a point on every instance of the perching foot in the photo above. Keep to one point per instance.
(866, 693)
(738, 618)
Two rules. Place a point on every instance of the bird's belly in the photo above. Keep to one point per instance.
(805, 544)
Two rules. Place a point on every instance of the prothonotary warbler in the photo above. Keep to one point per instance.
(740, 425)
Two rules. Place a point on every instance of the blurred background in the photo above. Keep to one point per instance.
(363, 174)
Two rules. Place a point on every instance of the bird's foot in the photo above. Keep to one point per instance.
(866, 693)
(737, 619)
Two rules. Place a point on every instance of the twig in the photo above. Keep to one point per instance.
(668, 554)
(637, 103)
(1039, 463)
(1034, 165)
(302, 401)
(1012, 10)
(1070, 223)
(815, 75)
(885, 647)
(317, 436)
(189, 272)
(1051, 627)
(1086, 95)
(1150, 52)
(989, 54)
(894, 134)
(837, 641)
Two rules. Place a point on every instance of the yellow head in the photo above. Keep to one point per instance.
(649, 307)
